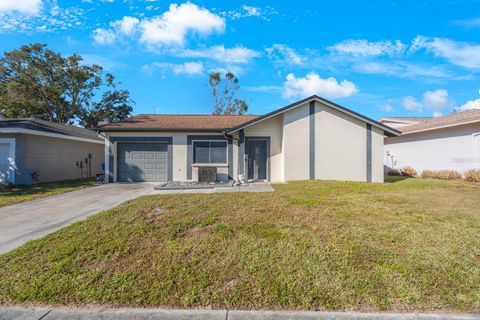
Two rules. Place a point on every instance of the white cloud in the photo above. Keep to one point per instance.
(459, 53)
(103, 36)
(127, 25)
(468, 23)
(402, 69)
(172, 27)
(237, 54)
(387, 107)
(283, 54)
(471, 105)
(28, 7)
(312, 84)
(249, 11)
(437, 114)
(436, 99)
(187, 68)
(410, 103)
(365, 48)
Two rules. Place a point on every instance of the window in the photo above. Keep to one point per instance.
(210, 152)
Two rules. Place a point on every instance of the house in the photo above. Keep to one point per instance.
(449, 142)
(398, 122)
(33, 150)
(310, 139)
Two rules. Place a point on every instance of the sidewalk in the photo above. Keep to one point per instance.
(21, 313)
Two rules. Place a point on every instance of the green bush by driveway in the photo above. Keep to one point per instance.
(409, 245)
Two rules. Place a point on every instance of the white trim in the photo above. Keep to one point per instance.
(384, 128)
(49, 134)
(211, 164)
(11, 173)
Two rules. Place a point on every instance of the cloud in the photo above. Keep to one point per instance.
(248, 11)
(459, 53)
(172, 27)
(104, 36)
(312, 83)
(365, 48)
(410, 103)
(436, 99)
(402, 69)
(237, 54)
(437, 114)
(187, 68)
(387, 107)
(470, 105)
(28, 7)
(467, 23)
(127, 25)
(283, 54)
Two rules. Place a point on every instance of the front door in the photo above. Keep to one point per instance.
(256, 150)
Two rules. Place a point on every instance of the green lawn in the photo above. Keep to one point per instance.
(409, 245)
(17, 194)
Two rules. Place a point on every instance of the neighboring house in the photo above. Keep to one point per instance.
(449, 142)
(398, 122)
(310, 139)
(33, 150)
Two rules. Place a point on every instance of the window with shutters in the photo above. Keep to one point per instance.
(210, 152)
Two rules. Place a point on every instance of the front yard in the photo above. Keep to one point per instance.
(409, 245)
(17, 194)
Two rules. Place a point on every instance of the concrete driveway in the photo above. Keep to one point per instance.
(22, 222)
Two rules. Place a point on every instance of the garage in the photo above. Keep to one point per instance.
(138, 162)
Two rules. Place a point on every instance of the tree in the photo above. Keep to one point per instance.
(38, 82)
(224, 90)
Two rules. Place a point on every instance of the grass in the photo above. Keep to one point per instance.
(17, 194)
(409, 245)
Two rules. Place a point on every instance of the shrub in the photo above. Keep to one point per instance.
(393, 172)
(442, 174)
(408, 172)
(472, 175)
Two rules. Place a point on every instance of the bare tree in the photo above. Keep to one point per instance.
(224, 90)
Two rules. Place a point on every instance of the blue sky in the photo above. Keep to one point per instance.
(379, 58)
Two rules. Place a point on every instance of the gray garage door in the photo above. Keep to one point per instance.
(142, 162)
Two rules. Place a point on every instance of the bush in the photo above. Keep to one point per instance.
(442, 174)
(393, 172)
(472, 175)
(408, 172)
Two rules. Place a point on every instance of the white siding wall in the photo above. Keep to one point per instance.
(451, 148)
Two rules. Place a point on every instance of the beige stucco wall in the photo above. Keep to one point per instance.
(455, 148)
(296, 143)
(377, 154)
(340, 145)
(272, 128)
(55, 159)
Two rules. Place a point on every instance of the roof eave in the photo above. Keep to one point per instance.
(442, 127)
(113, 129)
(387, 130)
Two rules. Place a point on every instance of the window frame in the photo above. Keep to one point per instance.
(210, 163)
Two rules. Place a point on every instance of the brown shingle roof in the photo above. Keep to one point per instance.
(445, 121)
(170, 122)
(406, 119)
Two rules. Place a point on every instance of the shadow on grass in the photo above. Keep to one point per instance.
(394, 179)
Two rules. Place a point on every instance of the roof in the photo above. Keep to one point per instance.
(405, 119)
(175, 122)
(453, 119)
(43, 126)
(388, 130)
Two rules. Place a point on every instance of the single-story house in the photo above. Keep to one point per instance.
(33, 150)
(310, 139)
(450, 142)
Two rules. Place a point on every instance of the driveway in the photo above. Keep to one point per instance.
(22, 222)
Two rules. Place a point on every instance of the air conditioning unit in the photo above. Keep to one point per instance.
(207, 174)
